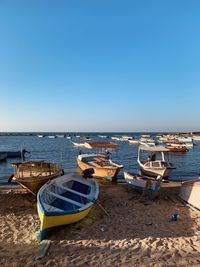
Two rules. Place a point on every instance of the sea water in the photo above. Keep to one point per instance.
(63, 152)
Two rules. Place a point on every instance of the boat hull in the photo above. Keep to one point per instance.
(140, 183)
(157, 172)
(33, 185)
(108, 173)
(189, 192)
(50, 222)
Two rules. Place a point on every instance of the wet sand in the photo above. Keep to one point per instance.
(137, 232)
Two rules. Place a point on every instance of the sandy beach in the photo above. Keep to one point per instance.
(137, 232)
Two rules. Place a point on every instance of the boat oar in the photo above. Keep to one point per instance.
(100, 206)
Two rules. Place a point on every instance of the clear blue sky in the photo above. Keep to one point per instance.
(99, 65)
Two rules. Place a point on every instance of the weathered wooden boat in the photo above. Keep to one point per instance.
(153, 166)
(65, 200)
(3, 156)
(33, 174)
(140, 182)
(190, 192)
(102, 166)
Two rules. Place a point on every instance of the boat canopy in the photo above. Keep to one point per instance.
(101, 145)
(154, 148)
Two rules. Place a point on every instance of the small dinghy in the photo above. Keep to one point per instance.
(65, 200)
(143, 182)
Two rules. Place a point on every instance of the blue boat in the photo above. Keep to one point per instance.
(65, 200)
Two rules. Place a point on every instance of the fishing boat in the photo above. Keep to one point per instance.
(189, 192)
(33, 174)
(151, 165)
(178, 148)
(196, 137)
(65, 200)
(139, 182)
(103, 167)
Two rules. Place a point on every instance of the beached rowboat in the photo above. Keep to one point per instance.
(33, 174)
(65, 200)
(139, 182)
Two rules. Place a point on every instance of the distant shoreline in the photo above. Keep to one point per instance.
(90, 133)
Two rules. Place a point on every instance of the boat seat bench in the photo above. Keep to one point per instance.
(65, 199)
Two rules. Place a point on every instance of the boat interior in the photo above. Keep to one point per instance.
(69, 198)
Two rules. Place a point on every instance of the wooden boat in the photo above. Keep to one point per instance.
(174, 149)
(178, 144)
(139, 182)
(153, 166)
(190, 192)
(102, 167)
(33, 174)
(65, 200)
(3, 156)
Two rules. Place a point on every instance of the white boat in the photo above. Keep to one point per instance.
(40, 135)
(51, 136)
(196, 137)
(154, 166)
(139, 182)
(65, 200)
(190, 192)
(149, 141)
(178, 144)
(133, 141)
(126, 137)
(60, 135)
(184, 139)
(78, 144)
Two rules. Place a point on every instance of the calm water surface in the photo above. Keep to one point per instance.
(62, 151)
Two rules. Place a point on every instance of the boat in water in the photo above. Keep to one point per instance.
(65, 200)
(155, 162)
(33, 174)
(103, 167)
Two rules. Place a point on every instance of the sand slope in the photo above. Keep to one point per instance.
(137, 232)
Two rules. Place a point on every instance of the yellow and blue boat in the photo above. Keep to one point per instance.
(65, 200)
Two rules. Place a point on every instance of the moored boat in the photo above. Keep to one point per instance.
(140, 182)
(65, 200)
(33, 174)
(154, 166)
(78, 144)
(102, 166)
